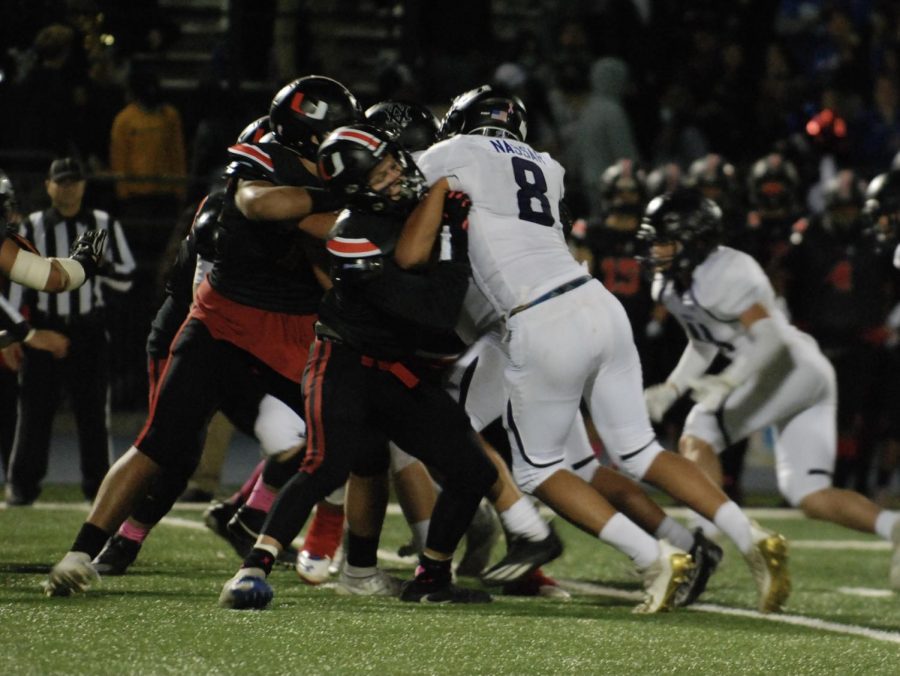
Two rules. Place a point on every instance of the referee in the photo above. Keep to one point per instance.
(78, 314)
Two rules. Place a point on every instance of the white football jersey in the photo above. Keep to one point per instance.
(516, 245)
(725, 285)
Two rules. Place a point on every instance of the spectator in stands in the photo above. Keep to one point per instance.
(603, 131)
(147, 141)
(45, 100)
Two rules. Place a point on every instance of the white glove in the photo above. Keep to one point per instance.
(659, 399)
(711, 391)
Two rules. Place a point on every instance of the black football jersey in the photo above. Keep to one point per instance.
(264, 264)
(375, 306)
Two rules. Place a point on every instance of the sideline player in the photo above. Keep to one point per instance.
(777, 375)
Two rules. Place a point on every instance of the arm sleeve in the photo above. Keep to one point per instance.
(432, 300)
(694, 361)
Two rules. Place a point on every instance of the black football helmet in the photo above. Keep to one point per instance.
(254, 131)
(623, 189)
(304, 111)
(715, 177)
(844, 196)
(665, 179)
(8, 204)
(773, 186)
(414, 125)
(684, 217)
(882, 205)
(347, 157)
(484, 110)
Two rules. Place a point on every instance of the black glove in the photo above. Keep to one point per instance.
(87, 249)
(456, 218)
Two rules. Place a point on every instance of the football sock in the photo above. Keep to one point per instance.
(523, 520)
(262, 497)
(244, 491)
(734, 523)
(262, 557)
(134, 531)
(90, 540)
(884, 524)
(324, 534)
(362, 552)
(676, 533)
(430, 570)
(631, 539)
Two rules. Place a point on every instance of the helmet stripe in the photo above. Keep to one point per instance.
(361, 137)
(345, 247)
(253, 153)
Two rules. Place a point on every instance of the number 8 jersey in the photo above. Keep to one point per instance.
(516, 245)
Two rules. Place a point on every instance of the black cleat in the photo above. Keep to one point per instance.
(419, 590)
(243, 530)
(706, 555)
(217, 516)
(523, 557)
(481, 537)
(117, 555)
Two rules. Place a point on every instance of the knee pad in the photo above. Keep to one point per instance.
(637, 462)
(278, 427)
(528, 477)
(705, 425)
(795, 487)
(477, 476)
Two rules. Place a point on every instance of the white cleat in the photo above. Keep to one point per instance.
(895, 557)
(312, 569)
(663, 577)
(74, 573)
(378, 583)
(768, 563)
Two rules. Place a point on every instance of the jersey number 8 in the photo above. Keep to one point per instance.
(532, 186)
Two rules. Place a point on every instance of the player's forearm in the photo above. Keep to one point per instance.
(273, 202)
(694, 361)
(421, 228)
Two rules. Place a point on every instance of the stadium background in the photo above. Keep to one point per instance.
(738, 78)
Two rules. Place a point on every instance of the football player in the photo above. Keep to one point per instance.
(253, 313)
(777, 375)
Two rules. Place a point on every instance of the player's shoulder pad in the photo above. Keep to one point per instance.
(360, 235)
(728, 282)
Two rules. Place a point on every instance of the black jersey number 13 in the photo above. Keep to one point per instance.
(532, 186)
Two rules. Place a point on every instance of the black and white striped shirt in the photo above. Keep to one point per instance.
(52, 235)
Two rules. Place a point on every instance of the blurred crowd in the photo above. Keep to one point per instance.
(783, 110)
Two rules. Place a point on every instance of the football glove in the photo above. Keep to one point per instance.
(711, 391)
(659, 399)
(88, 249)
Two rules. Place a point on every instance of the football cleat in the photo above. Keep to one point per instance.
(895, 557)
(419, 590)
(663, 577)
(217, 516)
(377, 584)
(248, 589)
(313, 569)
(768, 562)
(118, 554)
(523, 557)
(707, 556)
(74, 573)
(481, 537)
(537, 584)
